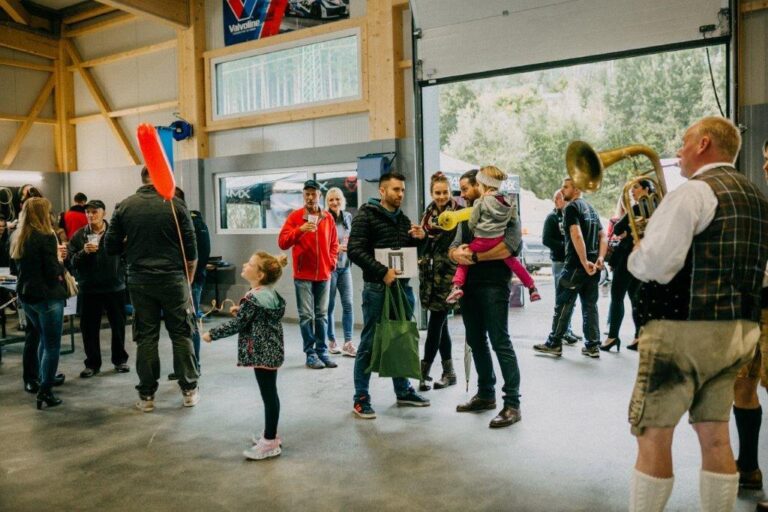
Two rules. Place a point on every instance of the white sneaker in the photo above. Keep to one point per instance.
(191, 397)
(256, 437)
(264, 449)
(349, 349)
(146, 405)
(333, 348)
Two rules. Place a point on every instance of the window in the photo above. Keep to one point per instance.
(322, 71)
(258, 202)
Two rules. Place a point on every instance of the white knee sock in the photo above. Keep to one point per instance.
(648, 493)
(718, 491)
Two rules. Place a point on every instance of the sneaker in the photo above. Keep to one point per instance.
(571, 339)
(592, 350)
(413, 399)
(146, 403)
(314, 363)
(455, 295)
(333, 348)
(363, 408)
(549, 349)
(534, 293)
(327, 362)
(88, 373)
(122, 368)
(191, 397)
(349, 349)
(255, 438)
(263, 449)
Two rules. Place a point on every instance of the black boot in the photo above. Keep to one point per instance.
(449, 376)
(46, 395)
(425, 367)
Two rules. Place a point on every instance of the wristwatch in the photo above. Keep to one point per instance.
(474, 257)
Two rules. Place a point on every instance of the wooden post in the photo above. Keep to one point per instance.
(66, 134)
(191, 82)
(385, 77)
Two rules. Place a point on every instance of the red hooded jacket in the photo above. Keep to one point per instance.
(314, 253)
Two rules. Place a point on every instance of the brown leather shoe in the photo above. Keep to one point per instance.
(752, 480)
(762, 507)
(476, 404)
(507, 416)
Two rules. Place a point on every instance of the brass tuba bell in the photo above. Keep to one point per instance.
(586, 168)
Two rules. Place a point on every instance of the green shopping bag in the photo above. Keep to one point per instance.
(395, 351)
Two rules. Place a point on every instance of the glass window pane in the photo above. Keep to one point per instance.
(311, 73)
(259, 202)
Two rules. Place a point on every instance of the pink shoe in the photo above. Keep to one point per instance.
(534, 294)
(455, 295)
(264, 449)
(349, 349)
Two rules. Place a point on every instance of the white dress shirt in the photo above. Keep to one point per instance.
(682, 214)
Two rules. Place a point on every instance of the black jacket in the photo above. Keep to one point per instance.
(143, 226)
(40, 274)
(96, 272)
(552, 235)
(203, 240)
(375, 228)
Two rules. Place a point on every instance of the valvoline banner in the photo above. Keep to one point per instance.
(245, 20)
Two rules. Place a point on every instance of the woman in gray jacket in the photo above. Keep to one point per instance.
(341, 277)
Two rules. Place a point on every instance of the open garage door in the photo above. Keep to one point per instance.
(471, 37)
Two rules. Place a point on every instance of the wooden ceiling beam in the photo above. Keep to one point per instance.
(144, 50)
(101, 101)
(99, 10)
(20, 119)
(169, 12)
(757, 5)
(28, 41)
(26, 65)
(16, 11)
(99, 25)
(21, 133)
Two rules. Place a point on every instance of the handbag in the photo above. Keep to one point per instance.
(70, 284)
(395, 350)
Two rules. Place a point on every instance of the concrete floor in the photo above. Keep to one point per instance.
(572, 451)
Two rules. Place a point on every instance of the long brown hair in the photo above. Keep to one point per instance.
(35, 216)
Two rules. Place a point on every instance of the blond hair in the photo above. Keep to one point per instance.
(336, 191)
(271, 266)
(723, 133)
(494, 172)
(35, 216)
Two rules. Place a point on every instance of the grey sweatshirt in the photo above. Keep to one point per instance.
(490, 215)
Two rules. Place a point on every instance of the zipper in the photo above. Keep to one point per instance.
(317, 250)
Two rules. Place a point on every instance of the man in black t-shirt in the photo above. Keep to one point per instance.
(585, 246)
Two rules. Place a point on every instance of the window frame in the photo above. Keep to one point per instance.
(310, 172)
(322, 33)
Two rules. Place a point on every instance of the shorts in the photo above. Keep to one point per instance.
(758, 367)
(691, 366)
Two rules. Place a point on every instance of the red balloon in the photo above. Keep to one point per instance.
(156, 161)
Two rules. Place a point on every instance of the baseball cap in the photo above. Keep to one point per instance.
(311, 184)
(95, 203)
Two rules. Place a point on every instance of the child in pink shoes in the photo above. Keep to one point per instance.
(259, 328)
(490, 215)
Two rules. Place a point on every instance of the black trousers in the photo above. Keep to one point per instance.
(267, 380)
(92, 305)
(438, 337)
(623, 282)
(31, 363)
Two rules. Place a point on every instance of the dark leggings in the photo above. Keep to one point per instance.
(267, 380)
(437, 337)
(623, 283)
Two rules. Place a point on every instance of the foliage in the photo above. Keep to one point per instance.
(523, 123)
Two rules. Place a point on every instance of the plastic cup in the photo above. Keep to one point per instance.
(93, 239)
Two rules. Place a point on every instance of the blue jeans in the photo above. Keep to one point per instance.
(197, 292)
(341, 279)
(47, 318)
(312, 302)
(557, 269)
(564, 303)
(373, 302)
(484, 310)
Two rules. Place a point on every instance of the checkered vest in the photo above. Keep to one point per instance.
(723, 272)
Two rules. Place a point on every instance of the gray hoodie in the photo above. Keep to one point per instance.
(490, 215)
